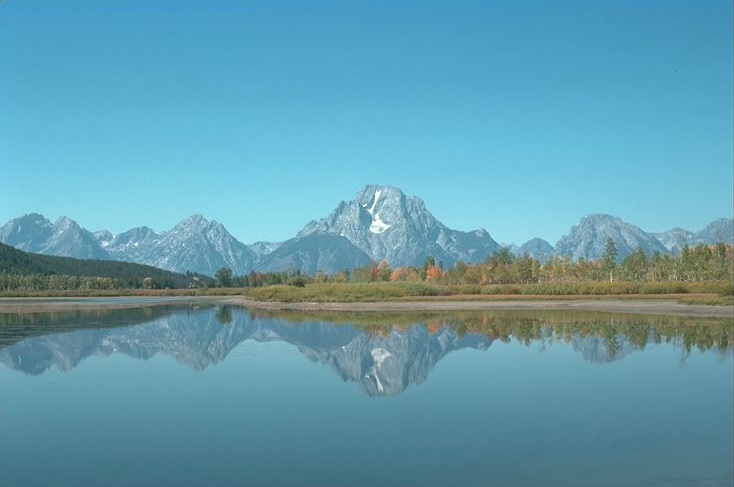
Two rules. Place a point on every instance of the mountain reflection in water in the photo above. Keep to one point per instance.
(383, 354)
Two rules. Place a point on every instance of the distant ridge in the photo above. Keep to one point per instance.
(194, 245)
(588, 239)
(35, 233)
(720, 230)
(537, 248)
(380, 224)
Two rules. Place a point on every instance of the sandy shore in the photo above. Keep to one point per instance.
(635, 306)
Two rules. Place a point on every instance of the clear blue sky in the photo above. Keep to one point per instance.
(516, 116)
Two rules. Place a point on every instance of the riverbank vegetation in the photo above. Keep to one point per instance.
(711, 293)
(699, 275)
(704, 271)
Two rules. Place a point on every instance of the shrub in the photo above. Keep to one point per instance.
(297, 281)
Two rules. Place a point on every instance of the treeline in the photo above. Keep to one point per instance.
(23, 272)
(703, 263)
(225, 278)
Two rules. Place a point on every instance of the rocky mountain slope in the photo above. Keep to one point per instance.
(195, 244)
(313, 253)
(65, 238)
(537, 248)
(674, 240)
(387, 225)
(588, 238)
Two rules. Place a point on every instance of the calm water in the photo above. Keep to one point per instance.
(177, 396)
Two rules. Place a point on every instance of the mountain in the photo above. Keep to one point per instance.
(134, 245)
(537, 248)
(387, 225)
(721, 230)
(261, 249)
(314, 252)
(674, 240)
(35, 233)
(588, 239)
(195, 244)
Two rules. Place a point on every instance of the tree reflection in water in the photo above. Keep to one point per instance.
(383, 353)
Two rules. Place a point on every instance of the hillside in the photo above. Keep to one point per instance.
(20, 263)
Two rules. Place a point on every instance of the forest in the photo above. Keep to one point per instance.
(23, 272)
(703, 263)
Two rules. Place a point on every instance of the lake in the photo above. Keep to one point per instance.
(187, 395)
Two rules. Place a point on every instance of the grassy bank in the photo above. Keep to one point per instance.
(708, 293)
(713, 293)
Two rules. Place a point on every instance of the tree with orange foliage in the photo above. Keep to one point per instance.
(385, 271)
(405, 274)
(434, 274)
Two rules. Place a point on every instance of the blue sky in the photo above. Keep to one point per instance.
(516, 116)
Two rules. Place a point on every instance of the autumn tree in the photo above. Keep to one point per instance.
(434, 274)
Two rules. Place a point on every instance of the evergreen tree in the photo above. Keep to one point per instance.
(609, 261)
(224, 277)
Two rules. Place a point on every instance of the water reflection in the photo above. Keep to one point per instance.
(383, 354)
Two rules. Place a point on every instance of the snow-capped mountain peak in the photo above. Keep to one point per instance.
(387, 225)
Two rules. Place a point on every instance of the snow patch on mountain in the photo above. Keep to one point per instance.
(378, 225)
(371, 209)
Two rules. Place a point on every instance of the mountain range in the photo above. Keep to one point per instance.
(380, 223)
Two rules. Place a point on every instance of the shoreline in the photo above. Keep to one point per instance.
(610, 305)
(658, 307)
